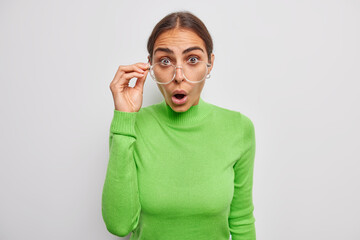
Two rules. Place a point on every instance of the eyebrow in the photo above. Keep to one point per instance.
(168, 50)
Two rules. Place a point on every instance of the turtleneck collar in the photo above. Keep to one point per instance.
(193, 115)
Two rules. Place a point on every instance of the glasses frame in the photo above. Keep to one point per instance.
(207, 75)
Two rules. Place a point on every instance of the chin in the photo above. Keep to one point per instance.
(179, 108)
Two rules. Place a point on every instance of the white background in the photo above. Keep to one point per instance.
(291, 66)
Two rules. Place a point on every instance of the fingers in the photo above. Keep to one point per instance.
(140, 67)
(127, 72)
(140, 82)
(125, 98)
(128, 76)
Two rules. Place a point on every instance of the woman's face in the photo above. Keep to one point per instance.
(171, 45)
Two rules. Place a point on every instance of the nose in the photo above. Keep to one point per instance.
(179, 74)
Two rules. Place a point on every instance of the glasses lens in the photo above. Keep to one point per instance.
(194, 72)
(162, 73)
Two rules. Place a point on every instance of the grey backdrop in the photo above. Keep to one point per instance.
(291, 66)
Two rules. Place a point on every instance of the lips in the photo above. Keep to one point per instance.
(179, 97)
(183, 92)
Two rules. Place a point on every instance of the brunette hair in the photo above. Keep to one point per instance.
(182, 19)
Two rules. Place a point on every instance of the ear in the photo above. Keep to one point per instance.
(212, 61)
(149, 61)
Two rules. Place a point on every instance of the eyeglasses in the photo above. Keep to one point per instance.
(194, 72)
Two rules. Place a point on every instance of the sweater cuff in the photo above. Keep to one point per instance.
(123, 123)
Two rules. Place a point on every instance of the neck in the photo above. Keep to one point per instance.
(195, 114)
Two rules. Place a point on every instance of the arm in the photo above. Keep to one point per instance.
(241, 218)
(120, 198)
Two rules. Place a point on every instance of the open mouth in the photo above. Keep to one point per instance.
(179, 96)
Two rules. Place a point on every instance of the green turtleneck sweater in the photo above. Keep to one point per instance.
(180, 175)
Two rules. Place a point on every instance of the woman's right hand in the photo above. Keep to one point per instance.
(126, 98)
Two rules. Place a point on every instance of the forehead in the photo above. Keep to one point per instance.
(179, 39)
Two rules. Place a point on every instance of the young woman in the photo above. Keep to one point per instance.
(182, 168)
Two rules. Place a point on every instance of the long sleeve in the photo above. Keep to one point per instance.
(241, 218)
(120, 198)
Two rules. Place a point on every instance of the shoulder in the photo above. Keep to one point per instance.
(240, 119)
(238, 123)
(149, 109)
(242, 125)
(146, 114)
(225, 115)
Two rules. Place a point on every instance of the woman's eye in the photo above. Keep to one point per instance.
(193, 60)
(165, 61)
